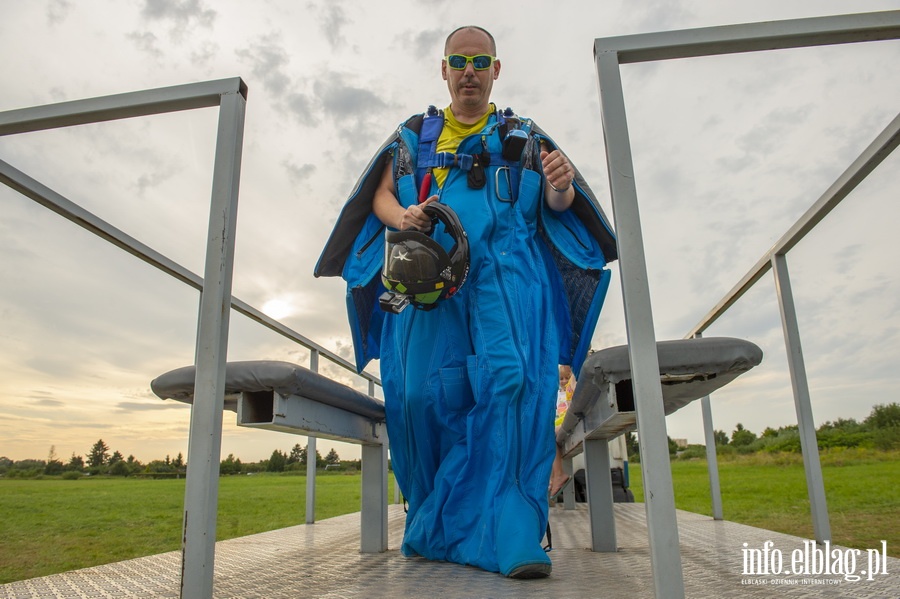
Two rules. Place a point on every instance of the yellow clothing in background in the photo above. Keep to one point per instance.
(563, 399)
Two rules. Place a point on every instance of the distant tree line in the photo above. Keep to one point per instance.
(100, 461)
(293, 461)
(879, 430)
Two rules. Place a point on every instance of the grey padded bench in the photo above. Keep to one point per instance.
(289, 398)
(603, 407)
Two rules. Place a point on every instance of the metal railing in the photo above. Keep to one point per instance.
(609, 54)
(204, 451)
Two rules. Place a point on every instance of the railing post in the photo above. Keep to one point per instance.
(601, 514)
(205, 442)
(712, 461)
(311, 457)
(665, 555)
(805, 424)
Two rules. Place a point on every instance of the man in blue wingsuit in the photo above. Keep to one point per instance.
(470, 385)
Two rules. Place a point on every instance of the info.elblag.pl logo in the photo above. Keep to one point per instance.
(815, 560)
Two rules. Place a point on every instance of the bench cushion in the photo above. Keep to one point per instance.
(267, 375)
(689, 369)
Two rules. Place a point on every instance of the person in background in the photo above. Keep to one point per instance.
(559, 480)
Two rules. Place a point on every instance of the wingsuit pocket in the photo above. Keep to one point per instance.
(529, 194)
(457, 391)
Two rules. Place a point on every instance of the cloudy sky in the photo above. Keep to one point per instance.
(729, 152)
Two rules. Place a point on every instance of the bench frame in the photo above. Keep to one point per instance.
(299, 415)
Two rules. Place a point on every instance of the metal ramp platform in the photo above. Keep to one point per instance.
(323, 560)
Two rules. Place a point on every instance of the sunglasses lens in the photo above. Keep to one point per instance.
(457, 61)
(481, 62)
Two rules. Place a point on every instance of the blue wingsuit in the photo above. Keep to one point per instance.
(470, 386)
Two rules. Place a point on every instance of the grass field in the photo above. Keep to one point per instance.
(51, 525)
(54, 525)
(769, 491)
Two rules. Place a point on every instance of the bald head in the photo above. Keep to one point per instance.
(473, 28)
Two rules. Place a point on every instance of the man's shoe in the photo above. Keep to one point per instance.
(533, 570)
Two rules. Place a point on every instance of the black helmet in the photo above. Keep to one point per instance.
(418, 270)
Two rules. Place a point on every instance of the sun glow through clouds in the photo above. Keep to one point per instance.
(277, 308)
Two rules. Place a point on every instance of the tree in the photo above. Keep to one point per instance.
(332, 457)
(179, 462)
(119, 468)
(631, 444)
(158, 467)
(673, 446)
(883, 416)
(54, 465)
(847, 425)
(720, 437)
(297, 455)
(98, 455)
(741, 436)
(230, 465)
(76, 463)
(115, 457)
(277, 462)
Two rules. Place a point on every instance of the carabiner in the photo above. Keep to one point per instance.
(500, 197)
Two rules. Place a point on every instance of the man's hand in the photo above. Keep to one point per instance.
(391, 213)
(415, 218)
(558, 173)
(557, 169)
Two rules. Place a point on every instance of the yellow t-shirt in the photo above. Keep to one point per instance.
(452, 134)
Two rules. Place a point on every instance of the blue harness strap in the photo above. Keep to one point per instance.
(432, 125)
(428, 158)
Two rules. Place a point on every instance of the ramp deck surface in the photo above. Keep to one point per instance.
(323, 560)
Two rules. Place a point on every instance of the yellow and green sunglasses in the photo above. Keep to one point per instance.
(480, 62)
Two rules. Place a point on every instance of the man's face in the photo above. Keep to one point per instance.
(470, 90)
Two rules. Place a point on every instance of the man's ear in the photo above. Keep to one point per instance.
(444, 70)
(496, 67)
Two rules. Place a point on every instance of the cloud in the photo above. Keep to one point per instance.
(429, 42)
(268, 58)
(150, 180)
(181, 14)
(48, 403)
(205, 53)
(357, 112)
(299, 173)
(148, 406)
(145, 42)
(57, 11)
(333, 20)
(764, 136)
(303, 107)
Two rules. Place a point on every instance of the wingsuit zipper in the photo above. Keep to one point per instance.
(574, 236)
(370, 241)
(516, 343)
